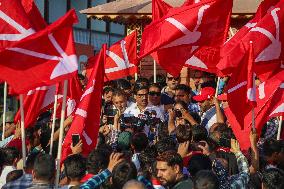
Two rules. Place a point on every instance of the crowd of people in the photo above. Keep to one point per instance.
(153, 135)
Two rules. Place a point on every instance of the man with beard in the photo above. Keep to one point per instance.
(169, 171)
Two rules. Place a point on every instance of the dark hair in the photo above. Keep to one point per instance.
(122, 84)
(226, 135)
(97, 160)
(139, 141)
(10, 154)
(166, 144)
(14, 175)
(184, 88)
(183, 133)
(31, 160)
(271, 146)
(206, 180)
(147, 159)
(182, 103)
(155, 85)
(273, 178)
(123, 172)
(199, 133)
(231, 159)
(75, 166)
(172, 158)
(107, 89)
(161, 80)
(119, 92)
(196, 117)
(254, 181)
(139, 87)
(199, 162)
(44, 167)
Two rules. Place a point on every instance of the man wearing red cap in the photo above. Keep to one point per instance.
(211, 111)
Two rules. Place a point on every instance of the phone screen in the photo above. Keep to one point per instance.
(75, 139)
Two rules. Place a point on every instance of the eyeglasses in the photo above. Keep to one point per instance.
(173, 78)
(154, 93)
(142, 95)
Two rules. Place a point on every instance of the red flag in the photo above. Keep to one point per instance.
(34, 64)
(74, 93)
(241, 86)
(269, 97)
(121, 59)
(32, 106)
(183, 31)
(34, 15)
(264, 31)
(14, 23)
(159, 9)
(87, 116)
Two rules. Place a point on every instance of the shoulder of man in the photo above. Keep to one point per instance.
(184, 184)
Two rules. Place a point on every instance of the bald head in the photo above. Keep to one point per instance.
(134, 184)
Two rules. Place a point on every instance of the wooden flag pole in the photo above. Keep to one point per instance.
(279, 128)
(53, 123)
(23, 136)
(61, 134)
(4, 110)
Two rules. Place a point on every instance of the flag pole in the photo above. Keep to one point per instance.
(53, 123)
(217, 87)
(4, 110)
(279, 128)
(155, 71)
(61, 134)
(23, 136)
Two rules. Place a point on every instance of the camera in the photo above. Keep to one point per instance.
(178, 113)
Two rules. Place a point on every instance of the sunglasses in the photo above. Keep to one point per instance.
(173, 78)
(154, 93)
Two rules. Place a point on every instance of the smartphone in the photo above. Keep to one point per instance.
(75, 139)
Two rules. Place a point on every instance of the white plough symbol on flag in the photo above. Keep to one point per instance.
(272, 51)
(67, 64)
(189, 37)
(121, 64)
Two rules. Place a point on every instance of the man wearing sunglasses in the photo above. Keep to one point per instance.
(168, 92)
(141, 94)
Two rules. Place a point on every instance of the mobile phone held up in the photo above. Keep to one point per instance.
(75, 139)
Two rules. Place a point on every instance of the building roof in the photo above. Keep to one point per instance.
(124, 10)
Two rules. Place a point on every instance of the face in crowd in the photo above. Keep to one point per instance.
(108, 96)
(197, 77)
(154, 95)
(172, 82)
(120, 102)
(169, 173)
(141, 98)
(205, 105)
(181, 95)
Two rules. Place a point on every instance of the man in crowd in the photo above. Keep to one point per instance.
(141, 96)
(168, 92)
(169, 171)
(11, 157)
(183, 93)
(210, 107)
(24, 181)
(44, 172)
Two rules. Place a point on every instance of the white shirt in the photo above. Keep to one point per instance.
(135, 111)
